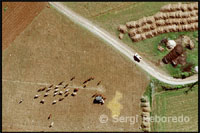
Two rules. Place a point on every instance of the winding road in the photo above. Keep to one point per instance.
(119, 45)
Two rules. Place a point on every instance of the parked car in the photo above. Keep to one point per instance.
(137, 58)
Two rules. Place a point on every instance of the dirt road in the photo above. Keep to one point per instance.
(119, 45)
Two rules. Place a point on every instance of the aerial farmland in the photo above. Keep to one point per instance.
(82, 66)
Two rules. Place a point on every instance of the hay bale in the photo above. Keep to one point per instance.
(143, 37)
(184, 7)
(158, 16)
(154, 32)
(145, 124)
(160, 22)
(145, 114)
(153, 26)
(146, 109)
(177, 6)
(189, 7)
(185, 15)
(122, 28)
(144, 99)
(195, 5)
(132, 32)
(172, 15)
(183, 21)
(121, 35)
(145, 104)
(148, 34)
(193, 13)
(166, 8)
(136, 38)
(160, 30)
(131, 24)
(150, 20)
(178, 14)
(146, 28)
(139, 30)
(146, 129)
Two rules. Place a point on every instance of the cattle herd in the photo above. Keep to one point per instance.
(62, 89)
(171, 18)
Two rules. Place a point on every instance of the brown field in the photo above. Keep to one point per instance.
(17, 17)
(53, 49)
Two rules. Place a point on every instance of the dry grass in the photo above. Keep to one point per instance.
(52, 49)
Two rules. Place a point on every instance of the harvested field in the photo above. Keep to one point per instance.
(16, 16)
(53, 49)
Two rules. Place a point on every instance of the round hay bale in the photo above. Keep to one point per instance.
(195, 5)
(122, 28)
(144, 99)
(153, 26)
(146, 109)
(178, 14)
(131, 24)
(178, 6)
(145, 124)
(189, 7)
(150, 20)
(145, 104)
(145, 114)
(193, 13)
(132, 32)
(146, 129)
(143, 37)
(139, 30)
(154, 32)
(160, 22)
(160, 30)
(184, 7)
(121, 36)
(166, 8)
(146, 28)
(136, 38)
(158, 16)
(148, 34)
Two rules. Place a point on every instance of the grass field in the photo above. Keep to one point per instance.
(111, 19)
(54, 49)
(176, 103)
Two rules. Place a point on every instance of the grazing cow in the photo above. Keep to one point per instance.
(43, 89)
(66, 94)
(66, 90)
(56, 90)
(51, 86)
(84, 86)
(55, 94)
(54, 102)
(76, 89)
(60, 93)
(56, 87)
(42, 101)
(48, 89)
(39, 90)
(99, 83)
(66, 85)
(51, 125)
(85, 81)
(36, 96)
(46, 94)
(60, 83)
(72, 78)
(74, 94)
(49, 117)
(60, 99)
(21, 101)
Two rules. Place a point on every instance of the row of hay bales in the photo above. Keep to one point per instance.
(161, 22)
(180, 6)
(145, 114)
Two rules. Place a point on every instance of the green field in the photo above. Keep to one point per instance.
(176, 103)
(109, 15)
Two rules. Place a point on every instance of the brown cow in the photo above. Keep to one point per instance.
(66, 85)
(99, 83)
(72, 78)
(49, 116)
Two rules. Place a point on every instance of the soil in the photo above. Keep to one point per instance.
(16, 16)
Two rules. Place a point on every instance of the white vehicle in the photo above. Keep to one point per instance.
(137, 58)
